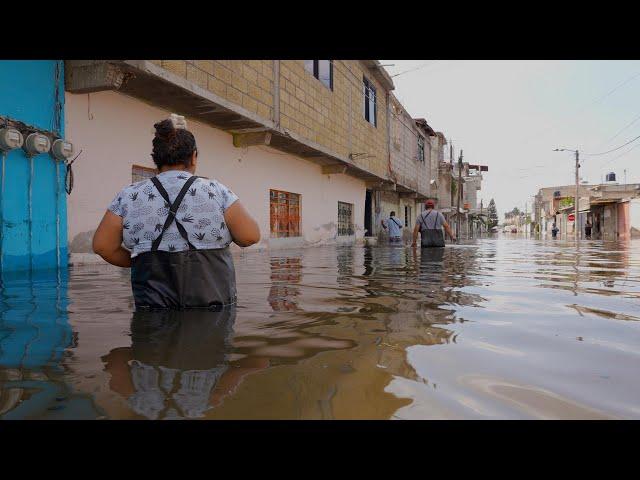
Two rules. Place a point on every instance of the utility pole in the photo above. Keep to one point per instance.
(576, 208)
(576, 223)
(459, 192)
(525, 219)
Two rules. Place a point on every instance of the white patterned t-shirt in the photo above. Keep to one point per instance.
(201, 213)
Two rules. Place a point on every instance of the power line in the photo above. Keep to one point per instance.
(623, 129)
(598, 100)
(415, 68)
(613, 150)
(621, 155)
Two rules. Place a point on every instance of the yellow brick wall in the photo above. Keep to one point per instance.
(333, 119)
(313, 111)
(248, 83)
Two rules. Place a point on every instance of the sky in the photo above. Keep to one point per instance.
(510, 115)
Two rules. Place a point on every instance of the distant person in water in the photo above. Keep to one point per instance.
(554, 231)
(176, 229)
(430, 224)
(587, 229)
(394, 227)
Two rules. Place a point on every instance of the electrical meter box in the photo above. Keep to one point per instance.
(36, 143)
(61, 149)
(10, 139)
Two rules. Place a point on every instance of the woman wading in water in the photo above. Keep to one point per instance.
(176, 228)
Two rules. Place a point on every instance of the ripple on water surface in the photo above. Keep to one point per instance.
(491, 328)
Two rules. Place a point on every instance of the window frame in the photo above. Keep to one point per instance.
(151, 171)
(290, 232)
(349, 230)
(407, 215)
(316, 72)
(369, 87)
(421, 147)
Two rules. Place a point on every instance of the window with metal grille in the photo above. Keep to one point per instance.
(345, 219)
(322, 70)
(420, 148)
(370, 108)
(407, 215)
(139, 173)
(284, 214)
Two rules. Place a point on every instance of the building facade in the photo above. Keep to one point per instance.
(609, 207)
(303, 143)
(318, 150)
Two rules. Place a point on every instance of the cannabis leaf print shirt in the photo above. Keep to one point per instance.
(201, 213)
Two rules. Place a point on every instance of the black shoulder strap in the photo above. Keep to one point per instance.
(394, 221)
(173, 209)
(423, 221)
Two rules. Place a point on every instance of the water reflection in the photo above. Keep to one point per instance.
(285, 275)
(34, 337)
(490, 328)
(178, 363)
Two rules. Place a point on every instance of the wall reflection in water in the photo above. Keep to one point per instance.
(285, 275)
(35, 338)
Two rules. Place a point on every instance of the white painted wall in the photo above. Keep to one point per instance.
(634, 217)
(115, 131)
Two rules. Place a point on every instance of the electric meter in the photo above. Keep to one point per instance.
(61, 149)
(36, 143)
(10, 139)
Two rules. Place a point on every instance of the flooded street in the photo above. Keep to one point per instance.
(494, 328)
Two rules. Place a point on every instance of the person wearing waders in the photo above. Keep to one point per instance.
(394, 228)
(430, 223)
(176, 229)
(554, 231)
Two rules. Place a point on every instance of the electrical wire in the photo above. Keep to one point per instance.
(68, 176)
(614, 149)
(623, 129)
(621, 155)
(590, 104)
(415, 68)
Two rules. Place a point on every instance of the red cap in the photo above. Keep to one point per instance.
(430, 204)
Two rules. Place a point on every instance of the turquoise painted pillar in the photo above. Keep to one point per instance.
(33, 213)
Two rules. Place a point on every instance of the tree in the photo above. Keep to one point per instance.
(493, 214)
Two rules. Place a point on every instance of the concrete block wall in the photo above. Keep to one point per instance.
(405, 166)
(248, 83)
(333, 119)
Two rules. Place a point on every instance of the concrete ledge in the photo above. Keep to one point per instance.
(76, 259)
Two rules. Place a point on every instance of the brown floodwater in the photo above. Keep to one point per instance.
(492, 328)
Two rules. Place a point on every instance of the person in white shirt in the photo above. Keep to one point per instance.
(394, 226)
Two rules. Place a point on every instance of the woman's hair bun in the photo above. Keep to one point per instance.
(165, 129)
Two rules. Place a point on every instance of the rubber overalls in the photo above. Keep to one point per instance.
(430, 237)
(187, 279)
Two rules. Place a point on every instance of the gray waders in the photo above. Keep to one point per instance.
(180, 280)
(430, 237)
